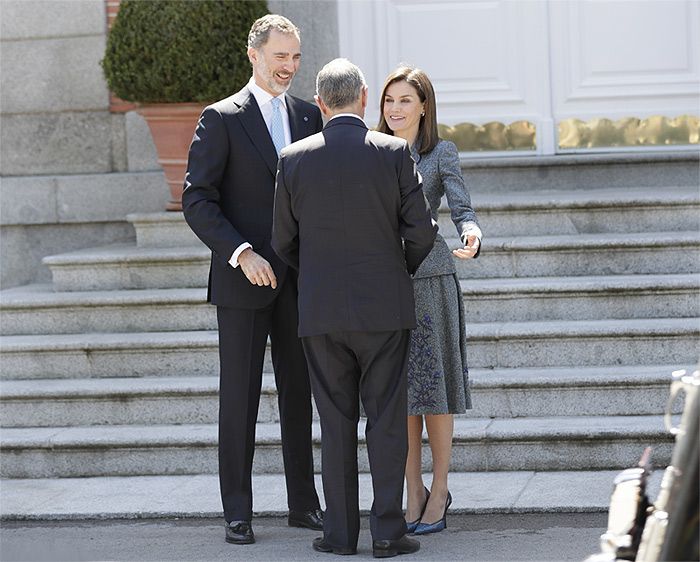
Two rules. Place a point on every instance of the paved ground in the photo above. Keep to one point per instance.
(486, 537)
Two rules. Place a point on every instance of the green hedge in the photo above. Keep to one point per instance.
(161, 51)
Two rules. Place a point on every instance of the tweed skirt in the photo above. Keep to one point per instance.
(438, 378)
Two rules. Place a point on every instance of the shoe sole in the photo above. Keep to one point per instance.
(303, 526)
(391, 553)
(242, 541)
(340, 551)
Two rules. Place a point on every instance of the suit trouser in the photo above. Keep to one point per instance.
(242, 341)
(344, 367)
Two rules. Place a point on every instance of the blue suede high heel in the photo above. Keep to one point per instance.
(411, 525)
(440, 525)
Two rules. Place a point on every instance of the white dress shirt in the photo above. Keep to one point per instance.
(264, 100)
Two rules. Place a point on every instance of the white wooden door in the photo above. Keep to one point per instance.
(539, 76)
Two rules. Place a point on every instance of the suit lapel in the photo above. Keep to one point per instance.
(301, 123)
(252, 121)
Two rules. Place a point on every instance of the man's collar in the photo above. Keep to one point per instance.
(263, 97)
(355, 115)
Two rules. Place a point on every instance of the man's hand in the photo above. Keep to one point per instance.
(257, 269)
(470, 250)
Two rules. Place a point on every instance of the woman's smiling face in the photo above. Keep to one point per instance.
(402, 109)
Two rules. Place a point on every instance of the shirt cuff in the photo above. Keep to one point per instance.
(471, 229)
(234, 258)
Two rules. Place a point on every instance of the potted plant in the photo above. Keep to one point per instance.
(173, 57)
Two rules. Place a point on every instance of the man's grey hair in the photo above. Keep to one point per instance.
(339, 84)
(261, 28)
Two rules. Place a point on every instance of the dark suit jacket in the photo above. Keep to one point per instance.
(345, 199)
(229, 190)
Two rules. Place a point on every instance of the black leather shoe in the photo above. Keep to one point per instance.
(239, 532)
(312, 519)
(320, 545)
(387, 548)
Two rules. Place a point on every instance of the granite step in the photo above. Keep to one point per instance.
(553, 212)
(197, 496)
(502, 393)
(130, 267)
(576, 172)
(534, 213)
(584, 255)
(553, 443)
(38, 309)
(491, 345)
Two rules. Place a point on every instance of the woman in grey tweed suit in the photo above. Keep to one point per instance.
(438, 384)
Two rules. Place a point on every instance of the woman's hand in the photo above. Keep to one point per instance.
(470, 250)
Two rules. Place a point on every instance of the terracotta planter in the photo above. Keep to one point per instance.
(172, 126)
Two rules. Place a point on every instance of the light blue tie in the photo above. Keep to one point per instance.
(276, 126)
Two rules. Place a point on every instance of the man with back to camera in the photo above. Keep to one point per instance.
(228, 200)
(351, 217)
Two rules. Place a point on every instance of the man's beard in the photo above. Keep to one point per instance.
(269, 78)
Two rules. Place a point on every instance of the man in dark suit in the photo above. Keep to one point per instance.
(228, 200)
(351, 216)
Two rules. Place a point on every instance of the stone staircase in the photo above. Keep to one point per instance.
(583, 301)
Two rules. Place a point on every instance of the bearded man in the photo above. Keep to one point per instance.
(228, 201)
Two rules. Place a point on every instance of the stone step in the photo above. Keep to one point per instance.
(584, 254)
(532, 213)
(546, 213)
(197, 496)
(130, 267)
(502, 393)
(38, 309)
(554, 443)
(573, 172)
(162, 230)
(123, 266)
(597, 297)
(491, 345)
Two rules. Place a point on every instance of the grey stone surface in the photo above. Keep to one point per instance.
(166, 229)
(528, 344)
(568, 443)
(23, 247)
(141, 153)
(126, 267)
(119, 155)
(584, 254)
(581, 298)
(559, 490)
(109, 196)
(27, 200)
(56, 143)
(110, 355)
(40, 309)
(198, 495)
(49, 312)
(53, 75)
(475, 537)
(534, 213)
(177, 399)
(589, 171)
(318, 24)
(30, 19)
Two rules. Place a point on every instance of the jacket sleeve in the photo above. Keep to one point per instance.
(206, 163)
(416, 225)
(285, 228)
(463, 215)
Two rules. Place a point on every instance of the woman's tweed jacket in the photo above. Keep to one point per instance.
(442, 175)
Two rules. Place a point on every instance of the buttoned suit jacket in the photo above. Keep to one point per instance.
(351, 216)
(229, 190)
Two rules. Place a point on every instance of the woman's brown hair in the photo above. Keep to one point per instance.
(427, 128)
